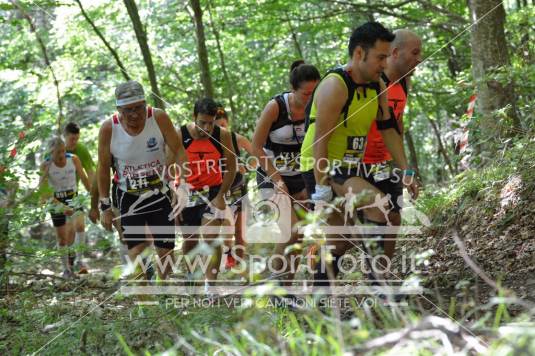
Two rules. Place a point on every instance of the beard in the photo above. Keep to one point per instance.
(410, 71)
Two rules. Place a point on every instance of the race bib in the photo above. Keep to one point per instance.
(65, 196)
(198, 197)
(234, 195)
(355, 149)
(381, 172)
(287, 161)
(143, 184)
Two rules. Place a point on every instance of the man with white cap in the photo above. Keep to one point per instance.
(135, 138)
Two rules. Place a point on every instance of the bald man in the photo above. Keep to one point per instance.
(406, 54)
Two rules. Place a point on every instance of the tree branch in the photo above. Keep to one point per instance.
(106, 43)
(222, 61)
(42, 46)
(141, 36)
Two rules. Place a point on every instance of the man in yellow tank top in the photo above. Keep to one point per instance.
(344, 105)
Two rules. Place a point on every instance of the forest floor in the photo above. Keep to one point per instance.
(486, 307)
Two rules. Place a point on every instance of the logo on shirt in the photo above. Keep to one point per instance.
(151, 142)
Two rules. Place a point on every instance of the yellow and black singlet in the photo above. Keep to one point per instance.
(347, 143)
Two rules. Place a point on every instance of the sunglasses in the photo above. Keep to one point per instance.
(134, 109)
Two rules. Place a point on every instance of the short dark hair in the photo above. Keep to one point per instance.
(366, 35)
(72, 128)
(301, 72)
(206, 106)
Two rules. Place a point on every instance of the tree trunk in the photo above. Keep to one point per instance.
(4, 243)
(202, 52)
(103, 39)
(7, 203)
(489, 51)
(441, 147)
(230, 91)
(145, 51)
(413, 158)
(42, 46)
(297, 46)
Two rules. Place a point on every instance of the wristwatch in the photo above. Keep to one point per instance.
(409, 172)
(104, 204)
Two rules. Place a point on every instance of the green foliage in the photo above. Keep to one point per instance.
(259, 40)
(440, 202)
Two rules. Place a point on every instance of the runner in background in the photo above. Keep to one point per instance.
(236, 197)
(345, 104)
(406, 54)
(135, 139)
(207, 147)
(61, 171)
(277, 140)
(73, 146)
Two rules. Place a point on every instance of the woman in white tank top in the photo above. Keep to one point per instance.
(60, 171)
(277, 144)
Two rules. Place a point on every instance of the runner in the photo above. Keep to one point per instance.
(135, 138)
(72, 136)
(344, 105)
(276, 143)
(94, 216)
(207, 146)
(238, 192)
(61, 170)
(406, 54)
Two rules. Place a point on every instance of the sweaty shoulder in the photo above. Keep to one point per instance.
(332, 88)
(75, 158)
(382, 85)
(105, 130)
(106, 126)
(162, 118)
(159, 115)
(225, 132)
(271, 111)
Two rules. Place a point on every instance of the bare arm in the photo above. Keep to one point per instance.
(400, 125)
(400, 121)
(177, 153)
(392, 139)
(170, 156)
(81, 172)
(394, 143)
(94, 192)
(260, 136)
(90, 175)
(93, 211)
(104, 159)
(330, 99)
(245, 144)
(230, 159)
